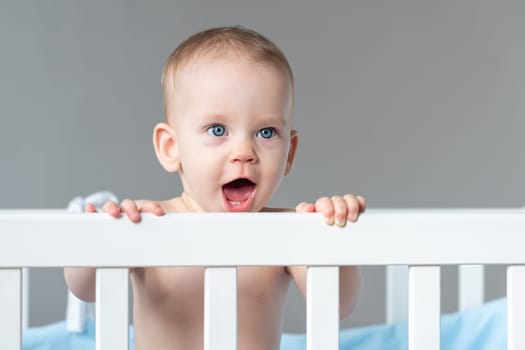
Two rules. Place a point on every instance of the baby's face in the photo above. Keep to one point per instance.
(231, 118)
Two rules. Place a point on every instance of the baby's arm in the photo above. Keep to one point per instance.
(336, 210)
(82, 280)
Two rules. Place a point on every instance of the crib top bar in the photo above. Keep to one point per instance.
(33, 238)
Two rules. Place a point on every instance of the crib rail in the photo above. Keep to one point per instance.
(421, 239)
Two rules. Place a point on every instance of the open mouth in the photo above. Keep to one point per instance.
(238, 195)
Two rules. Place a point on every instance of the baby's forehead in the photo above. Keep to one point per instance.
(195, 69)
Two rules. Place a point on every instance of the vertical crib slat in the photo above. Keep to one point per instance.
(112, 322)
(11, 309)
(322, 309)
(424, 308)
(25, 298)
(220, 308)
(471, 285)
(396, 293)
(515, 307)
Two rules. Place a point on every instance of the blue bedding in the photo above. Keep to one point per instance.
(478, 328)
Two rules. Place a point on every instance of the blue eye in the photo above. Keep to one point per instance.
(266, 133)
(217, 130)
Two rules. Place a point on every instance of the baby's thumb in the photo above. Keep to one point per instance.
(152, 207)
(305, 207)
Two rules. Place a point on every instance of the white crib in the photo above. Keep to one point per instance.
(421, 239)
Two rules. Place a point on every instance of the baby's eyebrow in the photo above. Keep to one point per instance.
(212, 117)
(274, 120)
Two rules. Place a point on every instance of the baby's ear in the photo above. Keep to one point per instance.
(166, 148)
(294, 141)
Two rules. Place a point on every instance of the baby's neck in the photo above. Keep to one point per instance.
(182, 204)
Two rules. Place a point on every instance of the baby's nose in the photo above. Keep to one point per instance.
(243, 152)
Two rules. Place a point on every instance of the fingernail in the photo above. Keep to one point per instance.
(340, 222)
(329, 220)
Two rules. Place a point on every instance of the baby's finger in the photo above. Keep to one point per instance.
(129, 207)
(305, 207)
(362, 204)
(111, 208)
(341, 210)
(150, 207)
(325, 206)
(353, 205)
(90, 208)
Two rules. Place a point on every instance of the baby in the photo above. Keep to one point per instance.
(229, 134)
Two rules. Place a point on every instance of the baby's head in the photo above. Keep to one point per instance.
(228, 97)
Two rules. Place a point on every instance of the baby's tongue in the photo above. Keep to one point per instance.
(238, 190)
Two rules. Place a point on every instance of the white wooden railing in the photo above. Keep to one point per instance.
(421, 239)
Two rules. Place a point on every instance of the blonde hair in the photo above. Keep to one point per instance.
(219, 41)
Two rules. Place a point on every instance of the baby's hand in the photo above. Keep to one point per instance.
(130, 207)
(336, 209)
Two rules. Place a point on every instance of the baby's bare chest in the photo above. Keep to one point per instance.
(185, 285)
(169, 307)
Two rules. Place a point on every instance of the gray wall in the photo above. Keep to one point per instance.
(411, 103)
